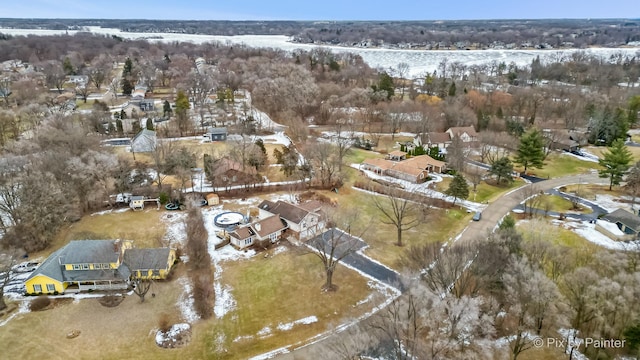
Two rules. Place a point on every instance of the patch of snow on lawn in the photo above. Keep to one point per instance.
(175, 331)
(589, 232)
(242, 338)
(304, 321)
(247, 201)
(610, 203)
(22, 308)
(115, 211)
(224, 299)
(279, 250)
(176, 233)
(185, 302)
(265, 331)
(587, 157)
(573, 343)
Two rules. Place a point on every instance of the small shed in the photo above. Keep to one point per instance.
(216, 134)
(212, 199)
(137, 203)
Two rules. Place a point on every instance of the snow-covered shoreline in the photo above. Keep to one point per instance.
(420, 61)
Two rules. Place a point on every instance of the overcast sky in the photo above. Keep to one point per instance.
(320, 10)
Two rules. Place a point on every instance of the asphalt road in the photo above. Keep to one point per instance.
(496, 210)
(491, 216)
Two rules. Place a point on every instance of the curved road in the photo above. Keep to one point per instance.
(491, 216)
(496, 210)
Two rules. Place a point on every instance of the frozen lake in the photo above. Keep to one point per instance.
(420, 61)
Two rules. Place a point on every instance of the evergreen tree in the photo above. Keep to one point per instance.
(502, 169)
(119, 127)
(385, 83)
(458, 188)
(166, 109)
(452, 89)
(68, 67)
(135, 125)
(634, 107)
(508, 222)
(260, 144)
(616, 162)
(128, 67)
(149, 124)
(127, 87)
(531, 150)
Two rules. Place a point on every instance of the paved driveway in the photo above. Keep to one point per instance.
(356, 259)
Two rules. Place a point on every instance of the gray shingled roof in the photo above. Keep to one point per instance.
(90, 251)
(50, 267)
(286, 211)
(217, 130)
(624, 217)
(80, 252)
(146, 259)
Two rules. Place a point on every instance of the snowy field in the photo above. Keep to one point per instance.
(420, 61)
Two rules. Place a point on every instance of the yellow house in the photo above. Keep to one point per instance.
(150, 264)
(86, 265)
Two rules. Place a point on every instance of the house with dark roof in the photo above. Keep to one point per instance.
(303, 220)
(87, 265)
(269, 229)
(626, 221)
(149, 264)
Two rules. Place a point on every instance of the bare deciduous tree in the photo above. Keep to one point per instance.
(331, 247)
(399, 210)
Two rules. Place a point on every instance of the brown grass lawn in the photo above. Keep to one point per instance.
(557, 165)
(599, 150)
(387, 144)
(559, 204)
(486, 191)
(143, 227)
(262, 288)
(591, 191)
(441, 226)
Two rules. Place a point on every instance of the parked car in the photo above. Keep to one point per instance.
(477, 216)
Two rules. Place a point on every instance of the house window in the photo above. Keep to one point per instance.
(85, 266)
(51, 288)
(156, 272)
(248, 241)
(105, 266)
(273, 237)
(76, 267)
(37, 288)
